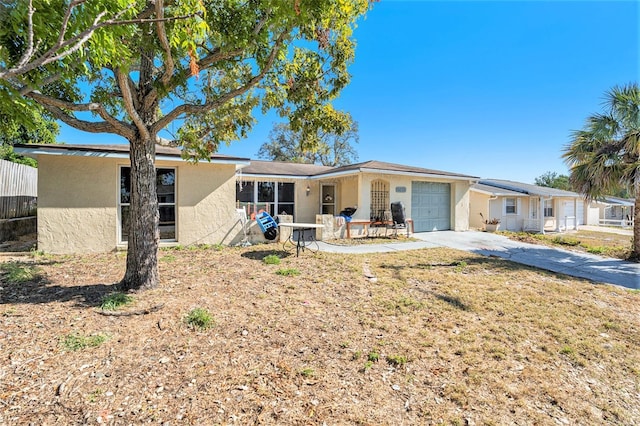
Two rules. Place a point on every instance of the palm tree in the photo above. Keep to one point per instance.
(604, 156)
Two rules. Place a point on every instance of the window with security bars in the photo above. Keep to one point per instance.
(379, 200)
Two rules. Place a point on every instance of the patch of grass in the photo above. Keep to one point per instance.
(200, 319)
(373, 356)
(403, 304)
(356, 355)
(599, 243)
(16, 273)
(611, 326)
(397, 360)
(75, 342)
(288, 272)
(93, 396)
(169, 258)
(114, 301)
(307, 372)
(460, 266)
(566, 350)
(367, 365)
(271, 259)
(596, 250)
(565, 241)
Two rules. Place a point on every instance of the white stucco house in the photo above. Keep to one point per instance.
(525, 207)
(83, 195)
(611, 211)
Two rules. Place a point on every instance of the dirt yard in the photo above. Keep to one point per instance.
(432, 336)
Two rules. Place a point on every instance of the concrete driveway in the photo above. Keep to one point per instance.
(582, 265)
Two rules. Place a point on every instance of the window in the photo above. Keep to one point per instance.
(273, 197)
(166, 191)
(548, 209)
(510, 206)
(379, 200)
(328, 199)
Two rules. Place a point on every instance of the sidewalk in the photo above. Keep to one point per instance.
(583, 265)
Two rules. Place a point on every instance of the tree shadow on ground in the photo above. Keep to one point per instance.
(38, 289)
(39, 292)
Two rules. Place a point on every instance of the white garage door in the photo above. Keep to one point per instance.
(430, 206)
(568, 211)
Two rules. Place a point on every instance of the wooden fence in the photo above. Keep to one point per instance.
(18, 190)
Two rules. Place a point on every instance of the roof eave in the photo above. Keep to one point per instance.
(34, 152)
(273, 176)
(341, 173)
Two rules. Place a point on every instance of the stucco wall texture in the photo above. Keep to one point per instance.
(78, 203)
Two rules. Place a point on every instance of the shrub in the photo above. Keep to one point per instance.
(200, 319)
(272, 259)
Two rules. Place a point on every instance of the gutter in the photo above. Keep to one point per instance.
(471, 179)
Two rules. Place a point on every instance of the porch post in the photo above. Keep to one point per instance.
(575, 214)
(541, 214)
(556, 213)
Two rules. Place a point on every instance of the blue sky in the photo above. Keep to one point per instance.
(491, 89)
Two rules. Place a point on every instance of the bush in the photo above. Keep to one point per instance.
(272, 259)
(200, 319)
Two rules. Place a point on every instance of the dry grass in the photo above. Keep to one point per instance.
(439, 336)
(603, 243)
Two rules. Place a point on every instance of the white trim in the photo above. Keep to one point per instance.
(124, 155)
(393, 172)
(275, 177)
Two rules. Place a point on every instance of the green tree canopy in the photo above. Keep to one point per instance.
(41, 129)
(604, 156)
(206, 63)
(331, 149)
(554, 180)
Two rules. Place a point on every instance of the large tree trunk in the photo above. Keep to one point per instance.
(142, 252)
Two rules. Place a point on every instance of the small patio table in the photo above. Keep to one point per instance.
(300, 242)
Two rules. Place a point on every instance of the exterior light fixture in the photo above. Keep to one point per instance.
(308, 189)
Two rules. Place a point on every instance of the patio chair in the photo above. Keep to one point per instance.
(398, 218)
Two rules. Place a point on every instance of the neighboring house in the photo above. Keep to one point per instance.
(83, 197)
(525, 207)
(434, 199)
(84, 200)
(611, 211)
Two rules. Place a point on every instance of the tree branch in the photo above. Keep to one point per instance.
(57, 107)
(123, 83)
(164, 43)
(28, 63)
(208, 106)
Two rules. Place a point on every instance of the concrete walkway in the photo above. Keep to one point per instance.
(582, 265)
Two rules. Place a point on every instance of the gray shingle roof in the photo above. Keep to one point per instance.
(391, 167)
(526, 188)
(493, 190)
(279, 168)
